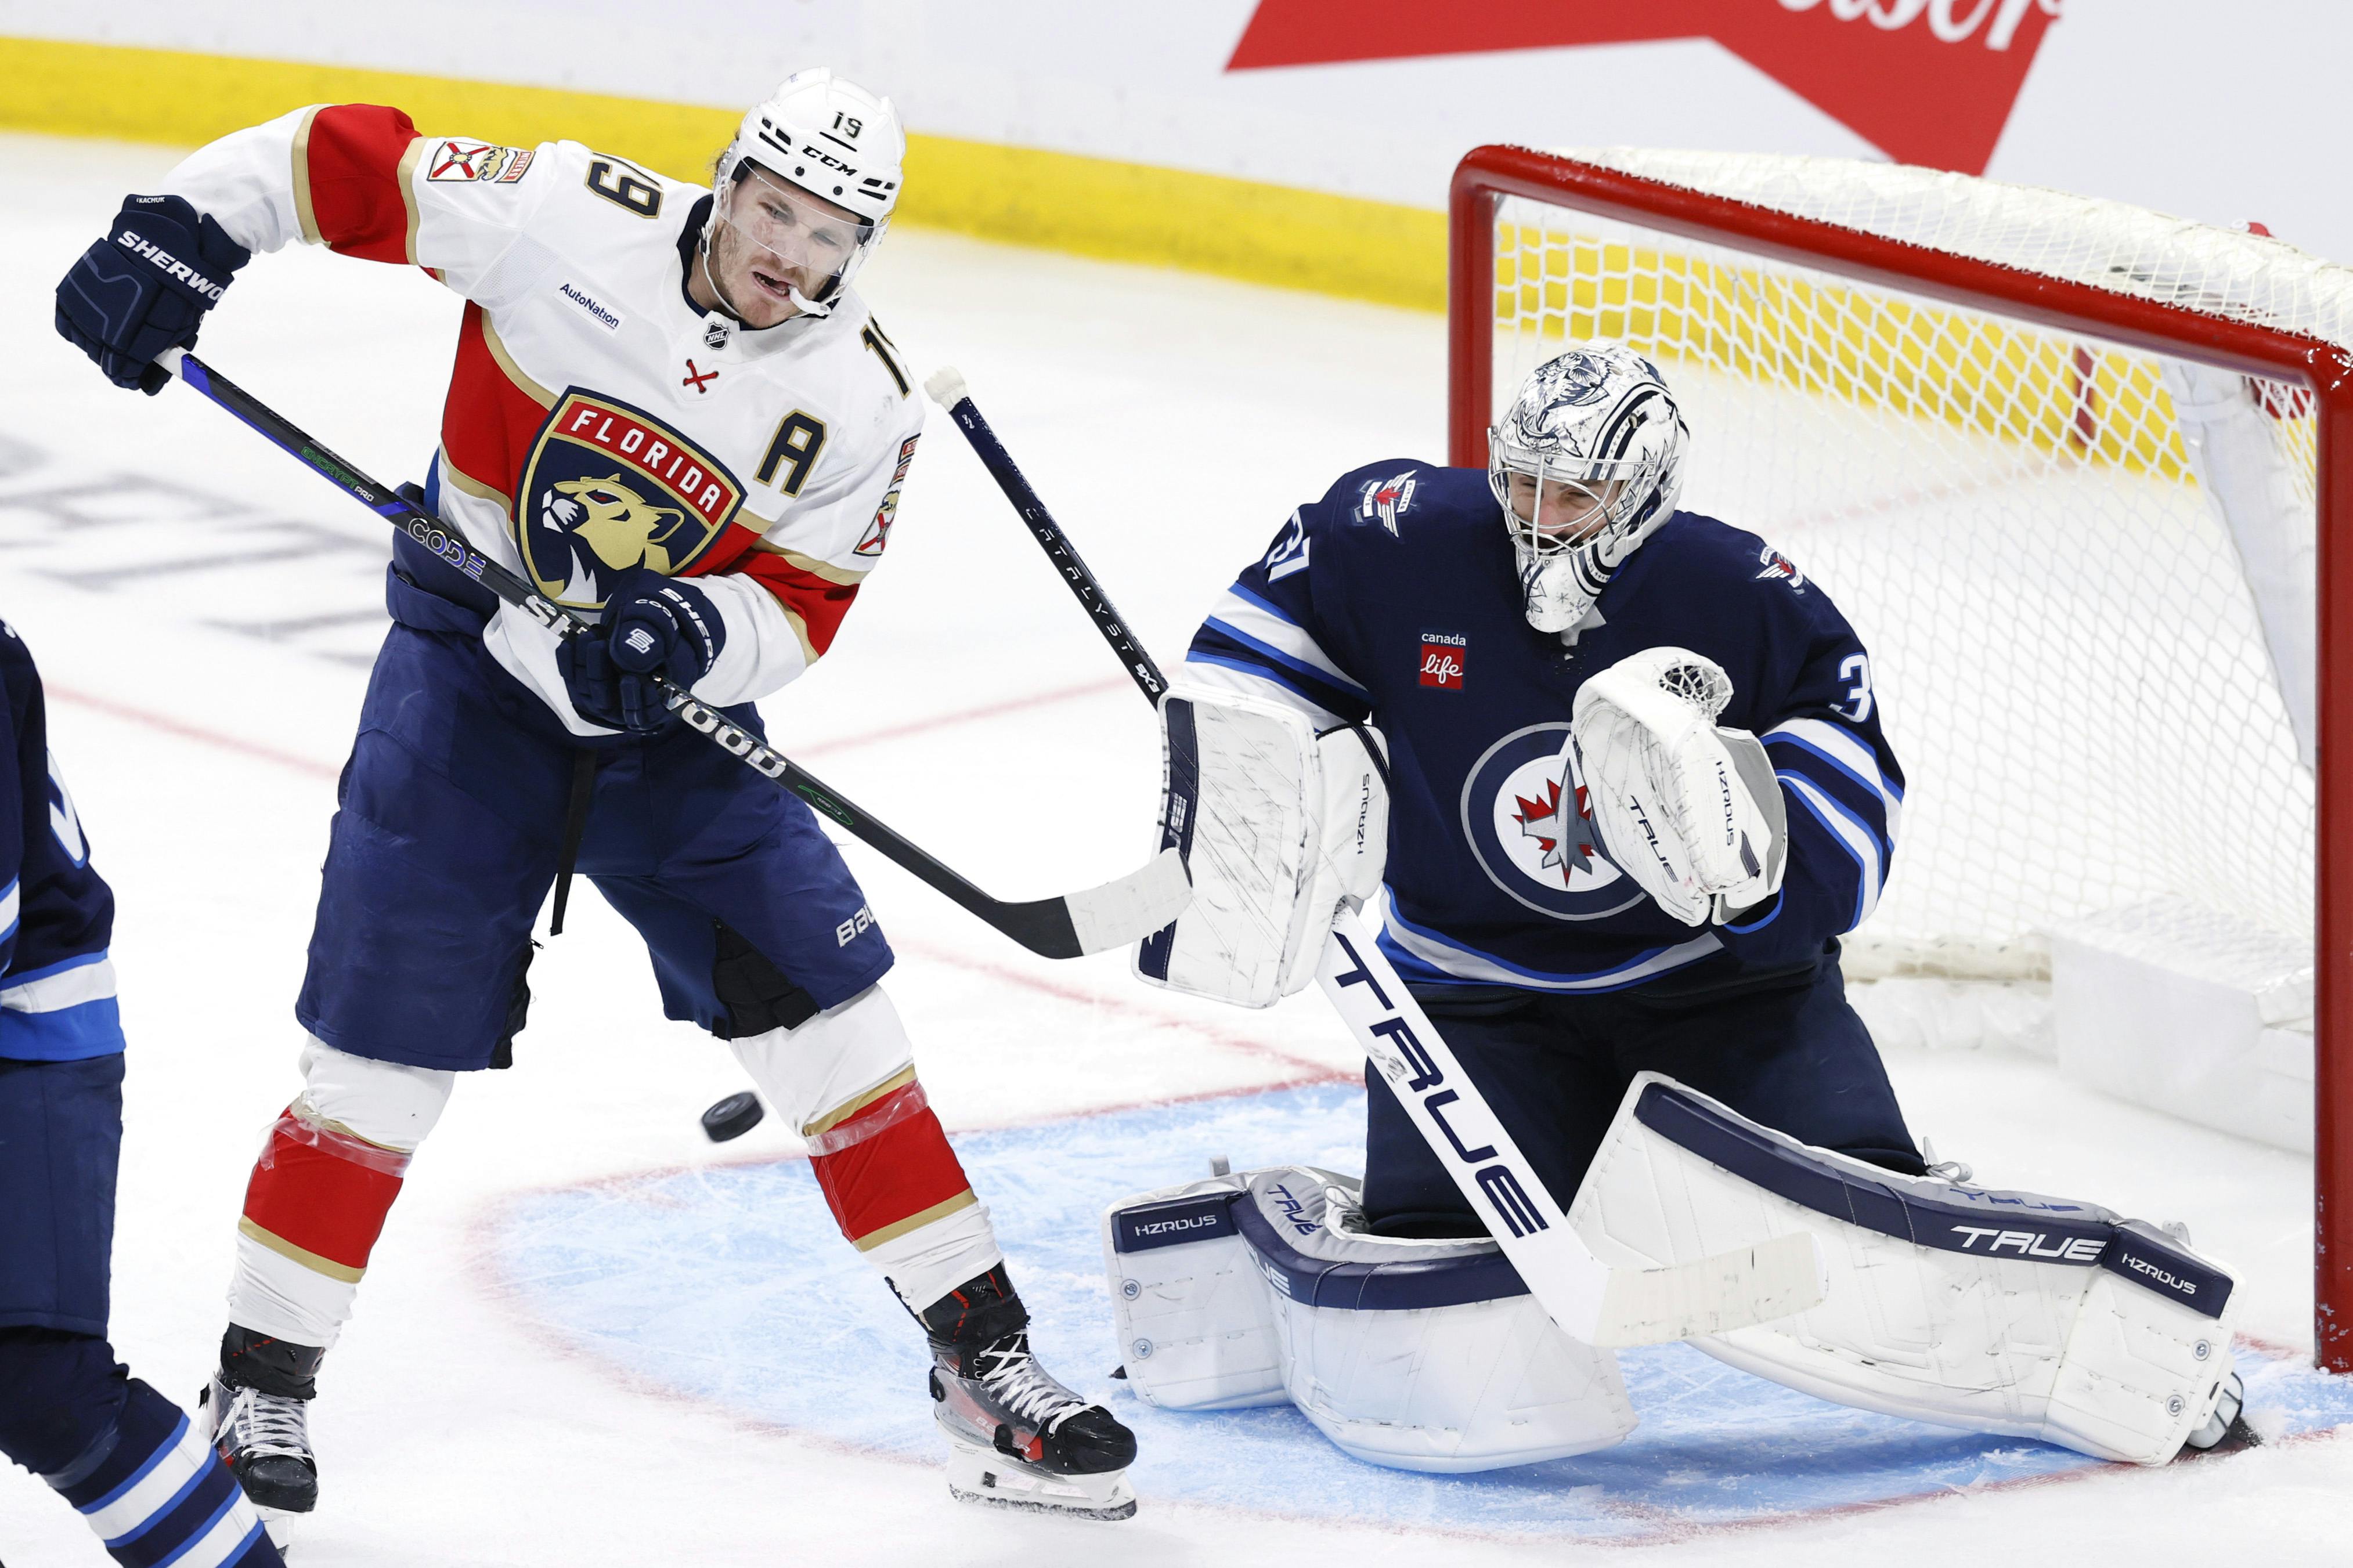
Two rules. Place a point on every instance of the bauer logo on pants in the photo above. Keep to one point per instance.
(608, 487)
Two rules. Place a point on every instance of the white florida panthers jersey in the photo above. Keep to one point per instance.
(597, 419)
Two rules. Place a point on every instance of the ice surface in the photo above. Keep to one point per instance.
(203, 609)
(724, 1286)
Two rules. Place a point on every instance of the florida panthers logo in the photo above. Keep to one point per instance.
(607, 489)
(1524, 815)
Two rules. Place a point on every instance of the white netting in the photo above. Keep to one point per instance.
(2070, 661)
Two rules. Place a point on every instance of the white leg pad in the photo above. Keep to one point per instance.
(1993, 1312)
(1417, 1355)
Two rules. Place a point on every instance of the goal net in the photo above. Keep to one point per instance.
(2064, 464)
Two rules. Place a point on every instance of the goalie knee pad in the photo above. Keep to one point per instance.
(1994, 1311)
(1419, 1356)
(1279, 827)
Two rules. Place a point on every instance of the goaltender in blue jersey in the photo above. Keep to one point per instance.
(1392, 599)
(1635, 791)
(1404, 598)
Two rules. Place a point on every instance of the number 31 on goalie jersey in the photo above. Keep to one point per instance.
(1857, 669)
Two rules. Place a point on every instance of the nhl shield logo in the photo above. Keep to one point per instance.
(608, 487)
(1524, 815)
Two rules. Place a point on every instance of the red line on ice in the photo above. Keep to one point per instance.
(187, 731)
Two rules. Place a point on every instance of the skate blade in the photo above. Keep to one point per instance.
(279, 1525)
(985, 1477)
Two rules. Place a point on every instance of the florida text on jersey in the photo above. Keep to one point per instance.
(1395, 598)
(599, 419)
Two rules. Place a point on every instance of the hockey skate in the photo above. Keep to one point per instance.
(1019, 1438)
(263, 1434)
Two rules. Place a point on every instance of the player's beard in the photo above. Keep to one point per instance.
(730, 261)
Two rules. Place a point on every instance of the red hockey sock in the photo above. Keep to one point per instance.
(319, 1195)
(886, 1168)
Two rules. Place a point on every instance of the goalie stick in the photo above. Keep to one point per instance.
(1093, 920)
(1589, 1299)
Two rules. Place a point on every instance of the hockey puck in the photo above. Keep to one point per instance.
(732, 1117)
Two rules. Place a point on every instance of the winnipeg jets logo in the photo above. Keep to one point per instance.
(1772, 564)
(1561, 845)
(1524, 815)
(1387, 499)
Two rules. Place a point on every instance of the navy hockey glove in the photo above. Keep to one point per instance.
(653, 626)
(145, 288)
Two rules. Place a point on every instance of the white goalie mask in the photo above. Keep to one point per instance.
(816, 137)
(1596, 445)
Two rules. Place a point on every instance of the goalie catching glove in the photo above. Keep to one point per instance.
(1280, 829)
(1691, 812)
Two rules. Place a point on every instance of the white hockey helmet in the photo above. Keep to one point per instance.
(836, 142)
(1597, 423)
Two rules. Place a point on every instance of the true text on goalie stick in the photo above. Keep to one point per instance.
(1091, 920)
(1588, 1300)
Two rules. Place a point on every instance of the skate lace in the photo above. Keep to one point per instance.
(261, 1422)
(1013, 1377)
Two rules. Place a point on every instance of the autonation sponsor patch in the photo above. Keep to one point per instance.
(589, 305)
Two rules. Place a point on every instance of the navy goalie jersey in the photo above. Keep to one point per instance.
(1396, 599)
(57, 986)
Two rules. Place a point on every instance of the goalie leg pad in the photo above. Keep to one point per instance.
(1417, 1355)
(1279, 827)
(1993, 1312)
(1194, 1319)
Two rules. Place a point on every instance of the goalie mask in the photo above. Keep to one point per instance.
(811, 180)
(1586, 463)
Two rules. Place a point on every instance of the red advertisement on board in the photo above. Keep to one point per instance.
(1925, 81)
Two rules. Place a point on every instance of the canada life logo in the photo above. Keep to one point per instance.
(1444, 657)
(1925, 81)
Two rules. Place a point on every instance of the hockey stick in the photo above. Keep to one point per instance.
(1589, 1299)
(1098, 919)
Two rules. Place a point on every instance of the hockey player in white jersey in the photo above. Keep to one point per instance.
(670, 409)
(1637, 789)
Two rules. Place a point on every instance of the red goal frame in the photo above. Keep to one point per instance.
(1487, 175)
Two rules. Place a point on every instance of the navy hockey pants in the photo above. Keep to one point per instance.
(1793, 1056)
(60, 1138)
(449, 830)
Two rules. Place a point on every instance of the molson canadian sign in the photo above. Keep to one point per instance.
(1925, 81)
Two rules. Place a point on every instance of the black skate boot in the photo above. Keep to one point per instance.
(1017, 1438)
(258, 1407)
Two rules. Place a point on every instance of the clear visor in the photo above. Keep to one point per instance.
(807, 241)
(1552, 504)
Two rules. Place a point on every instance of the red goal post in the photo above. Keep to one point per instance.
(2223, 339)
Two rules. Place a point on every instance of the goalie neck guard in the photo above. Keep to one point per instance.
(1598, 426)
(831, 139)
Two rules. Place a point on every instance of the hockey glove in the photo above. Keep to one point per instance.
(654, 626)
(1690, 811)
(145, 288)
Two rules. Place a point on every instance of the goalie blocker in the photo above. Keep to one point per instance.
(1993, 1312)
